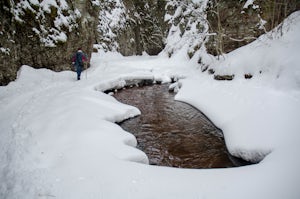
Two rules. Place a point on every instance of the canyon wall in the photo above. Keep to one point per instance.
(45, 33)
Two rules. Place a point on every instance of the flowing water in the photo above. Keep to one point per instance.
(173, 133)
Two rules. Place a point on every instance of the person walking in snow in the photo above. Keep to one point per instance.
(78, 60)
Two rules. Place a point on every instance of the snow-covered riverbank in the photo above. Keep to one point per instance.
(58, 138)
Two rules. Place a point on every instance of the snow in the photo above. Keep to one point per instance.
(48, 35)
(58, 138)
(265, 56)
(248, 3)
(188, 26)
(197, 1)
(95, 2)
(5, 50)
(111, 18)
(46, 4)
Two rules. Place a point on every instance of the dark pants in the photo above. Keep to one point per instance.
(78, 70)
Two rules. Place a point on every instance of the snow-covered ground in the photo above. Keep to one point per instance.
(58, 138)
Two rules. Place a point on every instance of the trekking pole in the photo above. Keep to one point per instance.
(86, 71)
(87, 65)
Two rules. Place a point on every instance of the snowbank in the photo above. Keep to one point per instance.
(255, 115)
(272, 59)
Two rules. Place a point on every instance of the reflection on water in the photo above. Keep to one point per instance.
(173, 133)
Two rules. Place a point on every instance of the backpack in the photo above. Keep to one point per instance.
(79, 58)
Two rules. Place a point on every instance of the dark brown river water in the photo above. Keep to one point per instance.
(173, 133)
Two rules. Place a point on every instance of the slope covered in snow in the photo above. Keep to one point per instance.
(58, 137)
(258, 113)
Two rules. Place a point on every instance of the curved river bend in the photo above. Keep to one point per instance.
(173, 133)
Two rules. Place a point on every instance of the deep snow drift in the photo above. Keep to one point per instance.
(58, 138)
